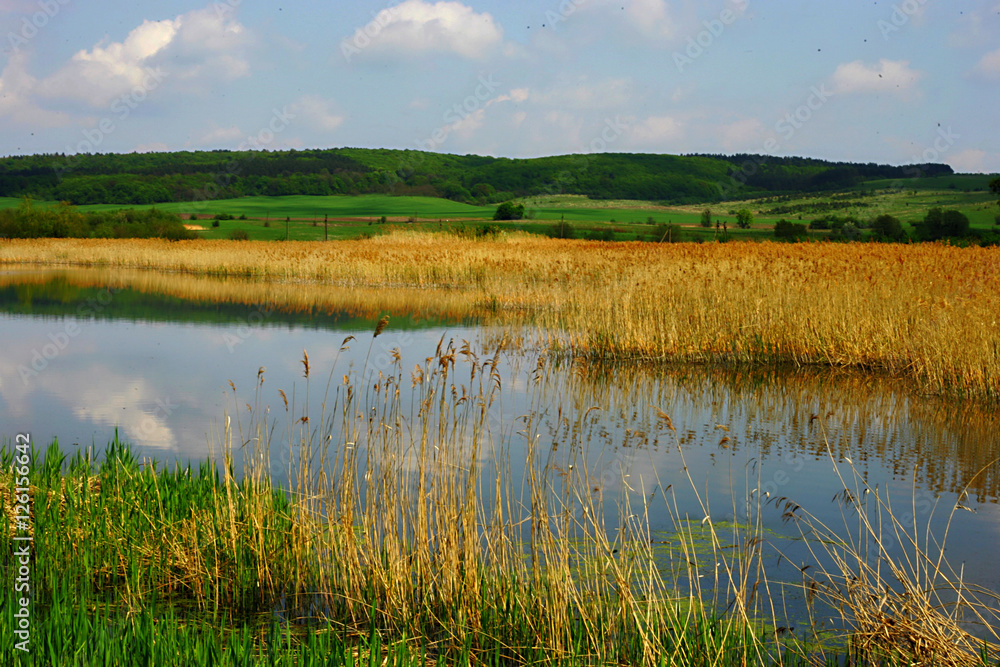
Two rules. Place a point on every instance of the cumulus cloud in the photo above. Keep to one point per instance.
(201, 44)
(888, 76)
(417, 26)
(989, 65)
(16, 89)
(650, 17)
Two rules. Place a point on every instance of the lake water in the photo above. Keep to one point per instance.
(85, 352)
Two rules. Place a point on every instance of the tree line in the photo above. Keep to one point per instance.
(65, 221)
(150, 178)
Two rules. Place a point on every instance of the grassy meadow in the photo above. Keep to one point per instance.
(354, 216)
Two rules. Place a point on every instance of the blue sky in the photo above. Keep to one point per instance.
(914, 80)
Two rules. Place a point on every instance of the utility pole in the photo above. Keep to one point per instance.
(287, 219)
(326, 226)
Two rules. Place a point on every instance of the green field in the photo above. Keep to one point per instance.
(360, 215)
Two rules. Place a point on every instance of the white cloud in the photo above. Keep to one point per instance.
(601, 95)
(989, 65)
(520, 95)
(743, 135)
(221, 135)
(892, 76)
(971, 160)
(317, 112)
(110, 70)
(16, 88)
(976, 26)
(416, 26)
(655, 130)
(201, 44)
(465, 122)
(651, 17)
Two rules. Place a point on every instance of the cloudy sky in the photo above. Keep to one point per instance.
(891, 82)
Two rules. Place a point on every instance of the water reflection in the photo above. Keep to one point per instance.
(155, 354)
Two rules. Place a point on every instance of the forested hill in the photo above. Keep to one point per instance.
(146, 178)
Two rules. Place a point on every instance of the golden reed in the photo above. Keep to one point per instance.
(926, 312)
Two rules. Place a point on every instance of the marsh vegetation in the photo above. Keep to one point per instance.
(409, 531)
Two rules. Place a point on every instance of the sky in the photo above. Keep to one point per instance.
(861, 81)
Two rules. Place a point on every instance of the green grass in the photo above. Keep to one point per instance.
(355, 216)
(336, 206)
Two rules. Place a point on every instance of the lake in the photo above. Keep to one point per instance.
(164, 358)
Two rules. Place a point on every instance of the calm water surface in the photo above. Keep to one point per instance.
(80, 359)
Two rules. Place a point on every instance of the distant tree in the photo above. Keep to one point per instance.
(939, 224)
(744, 218)
(932, 226)
(483, 192)
(887, 227)
(509, 211)
(848, 231)
(239, 235)
(995, 187)
(955, 224)
(790, 231)
(562, 230)
(706, 218)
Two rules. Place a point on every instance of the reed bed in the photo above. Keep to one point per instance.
(926, 312)
(386, 532)
(291, 296)
(407, 533)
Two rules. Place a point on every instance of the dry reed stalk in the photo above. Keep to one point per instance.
(926, 312)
